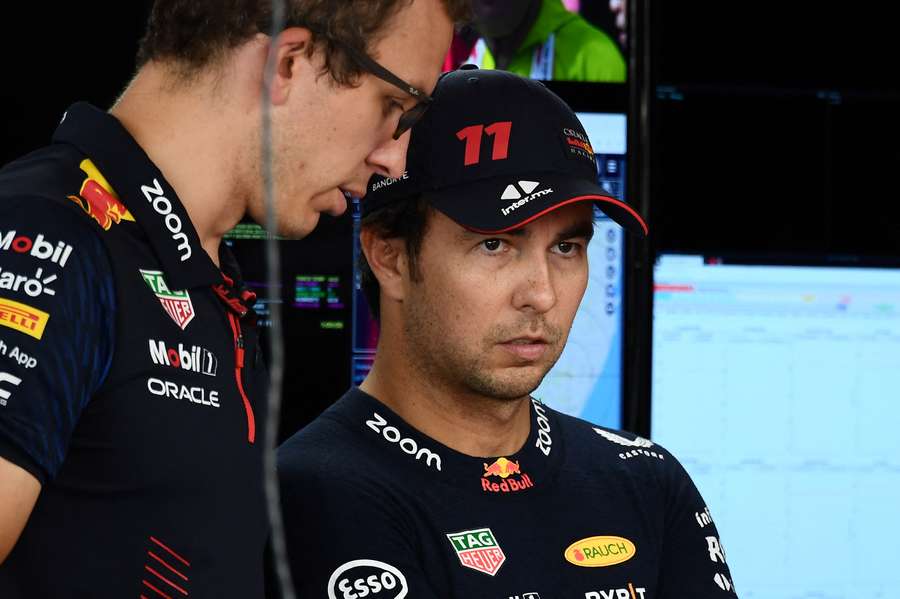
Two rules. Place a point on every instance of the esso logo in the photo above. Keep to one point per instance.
(366, 577)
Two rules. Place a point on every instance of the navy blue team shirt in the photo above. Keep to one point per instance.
(129, 378)
(374, 509)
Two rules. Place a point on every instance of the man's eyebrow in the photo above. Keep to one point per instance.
(583, 229)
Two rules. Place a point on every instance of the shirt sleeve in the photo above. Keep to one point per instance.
(346, 539)
(56, 329)
(693, 558)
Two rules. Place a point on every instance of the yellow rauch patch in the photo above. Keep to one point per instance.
(598, 552)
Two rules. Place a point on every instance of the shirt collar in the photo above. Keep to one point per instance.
(144, 191)
(536, 463)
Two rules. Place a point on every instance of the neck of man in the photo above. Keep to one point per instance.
(194, 132)
(468, 422)
(504, 48)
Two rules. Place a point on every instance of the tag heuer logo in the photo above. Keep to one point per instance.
(478, 549)
(177, 304)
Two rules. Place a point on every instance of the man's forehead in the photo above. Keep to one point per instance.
(408, 40)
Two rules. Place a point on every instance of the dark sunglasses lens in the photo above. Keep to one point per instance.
(410, 118)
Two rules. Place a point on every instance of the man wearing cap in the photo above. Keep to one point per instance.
(441, 476)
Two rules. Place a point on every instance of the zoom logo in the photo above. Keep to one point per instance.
(367, 578)
(163, 206)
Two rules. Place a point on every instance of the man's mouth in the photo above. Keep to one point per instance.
(352, 193)
(528, 348)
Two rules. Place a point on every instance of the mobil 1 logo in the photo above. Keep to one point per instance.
(191, 358)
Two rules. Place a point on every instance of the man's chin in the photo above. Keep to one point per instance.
(332, 202)
(291, 229)
(514, 382)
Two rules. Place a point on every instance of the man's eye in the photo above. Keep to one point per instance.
(567, 248)
(492, 245)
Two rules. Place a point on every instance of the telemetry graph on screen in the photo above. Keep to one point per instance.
(777, 388)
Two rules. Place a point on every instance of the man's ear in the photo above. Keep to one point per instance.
(292, 58)
(389, 262)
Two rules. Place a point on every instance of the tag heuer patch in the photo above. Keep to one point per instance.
(177, 304)
(478, 549)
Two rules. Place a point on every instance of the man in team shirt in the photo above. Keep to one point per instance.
(440, 476)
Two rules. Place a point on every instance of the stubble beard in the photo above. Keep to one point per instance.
(439, 357)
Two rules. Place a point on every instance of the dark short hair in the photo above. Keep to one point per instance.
(194, 34)
(406, 220)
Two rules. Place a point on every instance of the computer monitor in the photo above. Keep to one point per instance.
(314, 293)
(775, 384)
(587, 380)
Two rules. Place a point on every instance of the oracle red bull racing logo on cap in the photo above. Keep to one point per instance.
(98, 199)
(505, 470)
(577, 144)
(478, 549)
(177, 304)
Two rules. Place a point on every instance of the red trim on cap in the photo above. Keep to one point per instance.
(622, 205)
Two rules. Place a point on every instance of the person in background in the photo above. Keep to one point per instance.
(542, 40)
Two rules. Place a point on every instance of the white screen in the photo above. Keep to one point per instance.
(777, 388)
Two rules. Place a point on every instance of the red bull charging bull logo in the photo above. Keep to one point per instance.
(98, 199)
(504, 469)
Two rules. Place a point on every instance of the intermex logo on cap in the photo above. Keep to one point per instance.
(520, 194)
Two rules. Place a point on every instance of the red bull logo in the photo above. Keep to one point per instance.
(98, 199)
(504, 469)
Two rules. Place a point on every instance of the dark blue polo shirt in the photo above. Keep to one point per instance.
(375, 509)
(131, 384)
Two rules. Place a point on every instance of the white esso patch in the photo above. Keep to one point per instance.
(367, 577)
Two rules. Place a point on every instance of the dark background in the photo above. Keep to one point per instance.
(773, 129)
(775, 126)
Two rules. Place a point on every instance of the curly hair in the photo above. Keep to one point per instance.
(194, 34)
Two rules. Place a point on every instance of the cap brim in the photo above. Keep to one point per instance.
(481, 206)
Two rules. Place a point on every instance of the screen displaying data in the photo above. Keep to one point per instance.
(587, 380)
(776, 387)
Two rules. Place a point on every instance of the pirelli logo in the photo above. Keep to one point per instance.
(22, 318)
